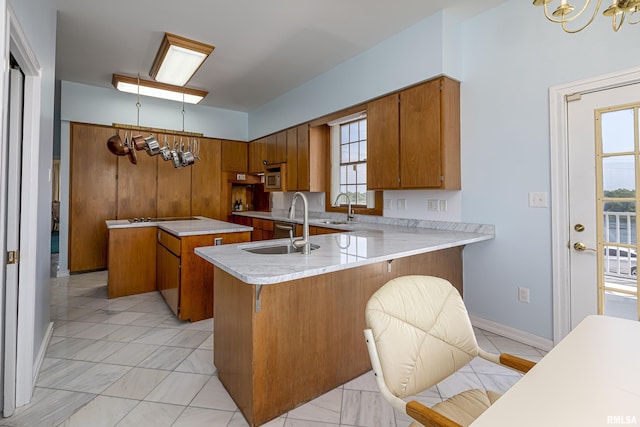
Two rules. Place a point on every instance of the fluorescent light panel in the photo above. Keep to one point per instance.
(178, 59)
(158, 90)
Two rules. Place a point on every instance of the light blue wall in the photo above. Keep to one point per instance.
(40, 30)
(406, 58)
(90, 104)
(511, 57)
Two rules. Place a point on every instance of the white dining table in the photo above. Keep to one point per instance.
(590, 378)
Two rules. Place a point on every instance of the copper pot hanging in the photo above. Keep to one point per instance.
(116, 146)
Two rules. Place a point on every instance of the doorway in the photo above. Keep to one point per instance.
(594, 148)
(27, 361)
(11, 199)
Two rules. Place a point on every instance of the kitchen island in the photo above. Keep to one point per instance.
(158, 254)
(289, 327)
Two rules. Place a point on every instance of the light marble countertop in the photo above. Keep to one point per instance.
(185, 227)
(368, 242)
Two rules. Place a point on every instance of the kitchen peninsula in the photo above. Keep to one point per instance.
(289, 327)
(158, 254)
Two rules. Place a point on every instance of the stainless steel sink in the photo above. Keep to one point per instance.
(276, 250)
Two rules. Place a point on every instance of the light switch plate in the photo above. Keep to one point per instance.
(402, 204)
(538, 199)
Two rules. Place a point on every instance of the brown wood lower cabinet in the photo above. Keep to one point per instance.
(306, 339)
(184, 279)
(131, 261)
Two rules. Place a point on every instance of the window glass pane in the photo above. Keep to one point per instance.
(362, 195)
(351, 191)
(362, 157)
(363, 130)
(361, 172)
(344, 154)
(620, 261)
(351, 174)
(620, 222)
(344, 134)
(343, 174)
(617, 131)
(343, 188)
(353, 152)
(618, 173)
(353, 131)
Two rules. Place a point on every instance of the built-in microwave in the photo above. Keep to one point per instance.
(274, 178)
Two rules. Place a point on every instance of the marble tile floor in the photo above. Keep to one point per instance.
(129, 362)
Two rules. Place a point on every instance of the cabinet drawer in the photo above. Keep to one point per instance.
(169, 241)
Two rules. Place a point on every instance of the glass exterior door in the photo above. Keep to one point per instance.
(617, 167)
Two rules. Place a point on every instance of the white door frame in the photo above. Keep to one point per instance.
(13, 40)
(560, 187)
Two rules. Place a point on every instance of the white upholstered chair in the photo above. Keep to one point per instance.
(418, 334)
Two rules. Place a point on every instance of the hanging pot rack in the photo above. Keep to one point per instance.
(157, 130)
(182, 153)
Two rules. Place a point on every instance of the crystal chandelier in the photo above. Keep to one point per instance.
(565, 14)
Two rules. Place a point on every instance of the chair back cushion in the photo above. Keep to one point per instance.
(422, 332)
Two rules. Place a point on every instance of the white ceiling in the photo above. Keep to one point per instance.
(264, 48)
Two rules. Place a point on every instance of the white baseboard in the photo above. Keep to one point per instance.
(43, 349)
(512, 333)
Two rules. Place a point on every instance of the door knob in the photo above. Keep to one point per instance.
(581, 247)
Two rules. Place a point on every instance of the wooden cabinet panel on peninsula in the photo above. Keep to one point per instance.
(184, 279)
(413, 138)
(132, 261)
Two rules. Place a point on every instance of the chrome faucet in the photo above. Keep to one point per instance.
(304, 241)
(336, 204)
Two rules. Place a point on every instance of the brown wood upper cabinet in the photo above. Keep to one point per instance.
(257, 155)
(235, 156)
(305, 159)
(277, 147)
(414, 138)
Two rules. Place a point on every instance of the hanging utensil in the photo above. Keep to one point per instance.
(165, 151)
(175, 156)
(115, 144)
(187, 156)
(133, 157)
(196, 149)
(152, 146)
(138, 142)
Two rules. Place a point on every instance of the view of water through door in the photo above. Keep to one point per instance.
(604, 173)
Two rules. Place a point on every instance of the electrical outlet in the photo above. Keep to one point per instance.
(388, 204)
(402, 204)
(432, 205)
(523, 294)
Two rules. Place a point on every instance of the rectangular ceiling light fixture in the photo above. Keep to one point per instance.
(178, 59)
(157, 89)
